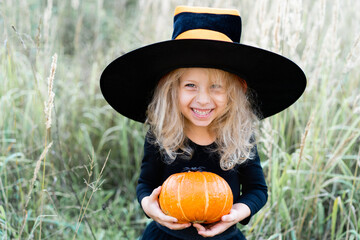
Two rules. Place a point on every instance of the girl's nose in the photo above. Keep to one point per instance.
(203, 97)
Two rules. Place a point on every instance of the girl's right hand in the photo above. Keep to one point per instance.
(150, 205)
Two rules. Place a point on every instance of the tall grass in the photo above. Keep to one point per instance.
(310, 152)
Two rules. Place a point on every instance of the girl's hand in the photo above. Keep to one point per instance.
(151, 207)
(238, 212)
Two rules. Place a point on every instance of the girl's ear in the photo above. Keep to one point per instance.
(243, 84)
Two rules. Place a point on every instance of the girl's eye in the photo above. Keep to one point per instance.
(190, 85)
(216, 86)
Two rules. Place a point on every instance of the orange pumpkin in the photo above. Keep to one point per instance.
(197, 197)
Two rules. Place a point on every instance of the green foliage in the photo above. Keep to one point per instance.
(310, 152)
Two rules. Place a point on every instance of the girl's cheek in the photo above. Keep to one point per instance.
(185, 99)
(220, 99)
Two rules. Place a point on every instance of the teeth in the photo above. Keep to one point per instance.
(201, 112)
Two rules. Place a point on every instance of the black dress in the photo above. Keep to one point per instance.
(246, 181)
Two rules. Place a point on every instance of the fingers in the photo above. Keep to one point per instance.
(154, 211)
(199, 227)
(155, 193)
(231, 217)
(211, 231)
(176, 226)
(167, 221)
(165, 218)
(171, 222)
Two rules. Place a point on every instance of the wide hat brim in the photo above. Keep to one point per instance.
(129, 81)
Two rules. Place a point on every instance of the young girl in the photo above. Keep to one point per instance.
(202, 94)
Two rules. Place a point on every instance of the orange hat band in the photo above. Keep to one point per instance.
(203, 34)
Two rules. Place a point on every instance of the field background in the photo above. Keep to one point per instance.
(69, 164)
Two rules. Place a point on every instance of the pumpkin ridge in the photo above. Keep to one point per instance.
(206, 195)
(179, 199)
(225, 202)
(162, 199)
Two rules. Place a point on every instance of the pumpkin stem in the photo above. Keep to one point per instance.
(193, 169)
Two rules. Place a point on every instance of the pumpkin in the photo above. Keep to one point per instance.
(197, 197)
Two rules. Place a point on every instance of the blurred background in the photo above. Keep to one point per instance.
(69, 163)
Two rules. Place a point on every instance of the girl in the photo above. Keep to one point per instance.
(202, 94)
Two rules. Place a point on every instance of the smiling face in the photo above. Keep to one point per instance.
(201, 98)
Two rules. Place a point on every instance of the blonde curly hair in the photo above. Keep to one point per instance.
(235, 129)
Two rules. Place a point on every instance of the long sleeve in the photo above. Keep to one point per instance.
(151, 171)
(254, 189)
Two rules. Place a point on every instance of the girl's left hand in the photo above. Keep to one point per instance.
(238, 212)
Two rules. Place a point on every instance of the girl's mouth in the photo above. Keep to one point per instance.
(201, 113)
